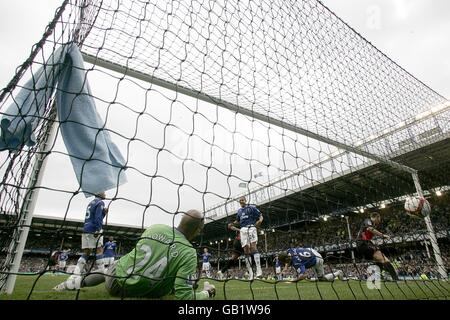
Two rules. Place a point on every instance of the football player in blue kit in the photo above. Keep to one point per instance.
(62, 260)
(91, 241)
(248, 219)
(109, 252)
(206, 266)
(307, 258)
(277, 265)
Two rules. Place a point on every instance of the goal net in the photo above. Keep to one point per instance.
(191, 105)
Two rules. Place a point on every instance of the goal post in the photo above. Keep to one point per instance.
(431, 234)
(20, 233)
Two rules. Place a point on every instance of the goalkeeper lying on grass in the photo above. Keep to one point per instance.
(163, 262)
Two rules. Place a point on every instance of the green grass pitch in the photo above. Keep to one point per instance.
(245, 290)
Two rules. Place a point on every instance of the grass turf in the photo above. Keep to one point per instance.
(40, 288)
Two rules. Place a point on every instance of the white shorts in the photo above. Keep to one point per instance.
(108, 261)
(318, 267)
(206, 266)
(248, 235)
(278, 270)
(62, 264)
(89, 241)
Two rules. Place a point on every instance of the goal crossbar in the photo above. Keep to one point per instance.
(235, 108)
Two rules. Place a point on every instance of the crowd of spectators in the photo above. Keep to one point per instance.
(410, 264)
(330, 235)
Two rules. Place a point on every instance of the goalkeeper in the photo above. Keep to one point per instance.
(163, 262)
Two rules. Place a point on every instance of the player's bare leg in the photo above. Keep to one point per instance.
(383, 263)
(234, 257)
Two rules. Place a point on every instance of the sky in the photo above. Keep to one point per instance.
(414, 33)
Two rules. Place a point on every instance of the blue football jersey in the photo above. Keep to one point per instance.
(63, 256)
(205, 257)
(109, 249)
(277, 263)
(93, 220)
(303, 258)
(247, 216)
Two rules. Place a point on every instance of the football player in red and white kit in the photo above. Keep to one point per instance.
(368, 249)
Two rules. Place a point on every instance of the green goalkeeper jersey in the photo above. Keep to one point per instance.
(162, 262)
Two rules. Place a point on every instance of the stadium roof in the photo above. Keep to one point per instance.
(368, 184)
(75, 227)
